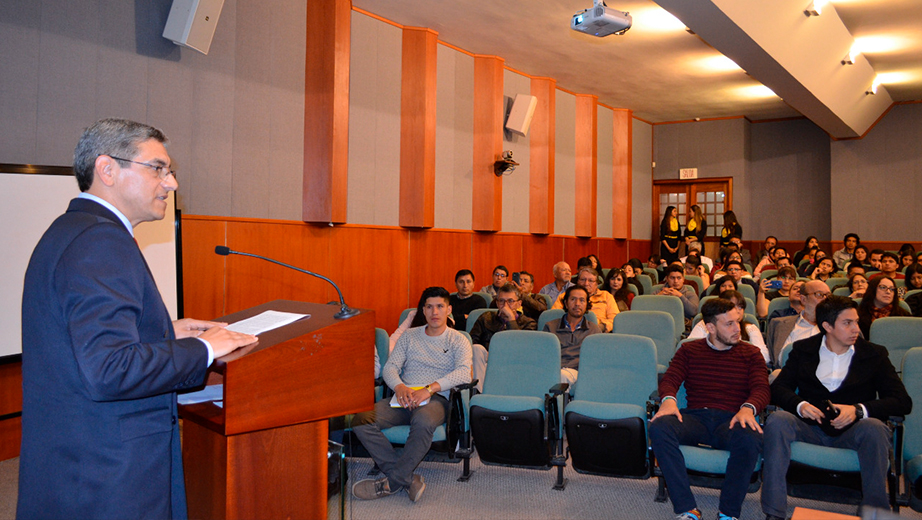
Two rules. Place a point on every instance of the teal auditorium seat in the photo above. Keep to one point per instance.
(656, 325)
(898, 334)
(912, 443)
(516, 420)
(606, 420)
(646, 282)
(474, 315)
(669, 304)
(553, 314)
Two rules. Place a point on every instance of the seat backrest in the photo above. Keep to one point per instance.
(654, 274)
(382, 345)
(658, 287)
(910, 293)
(778, 304)
(616, 368)
(549, 315)
(546, 298)
(841, 291)
(834, 281)
(905, 306)
(702, 300)
(656, 325)
(646, 283)
(768, 274)
(912, 375)
(670, 304)
(404, 314)
(522, 363)
(747, 291)
(474, 316)
(898, 334)
(633, 288)
(699, 283)
(486, 297)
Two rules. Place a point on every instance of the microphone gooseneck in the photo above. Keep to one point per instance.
(344, 310)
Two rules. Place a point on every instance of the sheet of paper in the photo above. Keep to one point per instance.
(210, 393)
(265, 321)
(395, 404)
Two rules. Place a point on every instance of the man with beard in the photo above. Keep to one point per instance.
(840, 369)
(571, 330)
(721, 410)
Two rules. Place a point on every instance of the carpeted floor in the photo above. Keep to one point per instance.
(506, 493)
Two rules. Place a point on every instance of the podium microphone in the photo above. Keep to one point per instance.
(344, 311)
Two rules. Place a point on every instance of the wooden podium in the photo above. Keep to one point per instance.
(264, 453)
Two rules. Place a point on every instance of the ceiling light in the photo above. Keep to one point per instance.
(874, 86)
(815, 8)
(849, 58)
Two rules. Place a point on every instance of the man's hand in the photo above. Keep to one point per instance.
(224, 341)
(668, 407)
(409, 398)
(189, 328)
(745, 419)
(669, 291)
(506, 314)
(846, 416)
(763, 285)
(808, 411)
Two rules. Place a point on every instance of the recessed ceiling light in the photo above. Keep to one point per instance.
(656, 19)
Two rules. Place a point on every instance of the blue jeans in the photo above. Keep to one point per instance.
(710, 427)
(869, 437)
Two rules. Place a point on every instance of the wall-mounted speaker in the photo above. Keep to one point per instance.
(191, 23)
(523, 109)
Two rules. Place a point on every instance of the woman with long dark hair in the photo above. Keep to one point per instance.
(630, 276)
(809, 244)
(880, 300)
(669, 236)
(862, 255)
(732, 228)
(914, 281)
(616, 284)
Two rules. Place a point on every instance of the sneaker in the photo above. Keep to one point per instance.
(417, 486)
(721, 516)
(370, 489)
(694, 514)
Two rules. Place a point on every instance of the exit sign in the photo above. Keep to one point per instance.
(688, 173)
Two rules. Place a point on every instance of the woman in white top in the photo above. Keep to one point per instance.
(748, 331)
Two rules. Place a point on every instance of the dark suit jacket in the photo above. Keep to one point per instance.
(871, 381)
(100, 369)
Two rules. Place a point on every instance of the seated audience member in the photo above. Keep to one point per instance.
(532, 305)
(784, 261)
(744, 253)
(724, 283)
(561, 281)
(770, 261)
(786, 330)
(602, 303)
(675, 286)
(581, 263)
(721, 411)
(736, 271)
(907, 258)
(787, 276)
(914, 282)
(595, 263)
(889, 265)
(415, 318)
(854, 267)
(426, 363)
(748, 332)
(693, 267)
(856, 377)
(857, 285)
(615, 284)
(500, 278)
(906, 247)
(795, 305)
(825, 269)
(845, 255)
(654, 262)
(571, 330)
(464, 301)
(879, 301)
(875, 258)
(809, 243)
(767, 246)
(509, 316)
(696, 249)
(630, 276)
(919, 257)
(862, 255)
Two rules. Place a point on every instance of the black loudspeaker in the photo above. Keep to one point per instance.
(192, 23)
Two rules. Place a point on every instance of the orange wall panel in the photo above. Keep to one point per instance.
(417, 127)
(436, 257)
(203, 292)
(586, 151)
(542, 151)
(491, 250)
(621, 173)
(612, 252)
(488, 143)
(540, 253)
(576, 248)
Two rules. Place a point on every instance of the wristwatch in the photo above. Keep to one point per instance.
(429, 387)
(859, 412)
(751, 407)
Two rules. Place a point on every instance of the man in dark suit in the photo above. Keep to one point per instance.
(101, 361)
(856, 377)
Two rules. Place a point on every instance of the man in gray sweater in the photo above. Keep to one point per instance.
(424, 366)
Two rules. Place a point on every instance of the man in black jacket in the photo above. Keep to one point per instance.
(856, 377)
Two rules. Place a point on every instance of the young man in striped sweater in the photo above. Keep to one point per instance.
(425, 364)
(727, 386)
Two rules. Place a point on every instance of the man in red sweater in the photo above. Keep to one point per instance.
(727, 386)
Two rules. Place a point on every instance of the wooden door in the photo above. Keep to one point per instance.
(714, 197)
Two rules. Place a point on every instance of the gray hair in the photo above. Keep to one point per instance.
(118, 137)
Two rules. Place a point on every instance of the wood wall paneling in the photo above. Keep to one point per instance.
(435, 257)
(488, 143)
(491, 250)
(622, 146)
(640, 249)
(539, 255)
(417, 127)
(371, 267)
(613, 252)
(575, 248)
(326, 110)
(203, 269)
(10, 402)
(542, 138)
(586, 165)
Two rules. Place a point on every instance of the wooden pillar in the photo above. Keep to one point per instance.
(326, 110)
(542, 139)
(488, 143)
(622, 144)
(586, 152)
(417, 127)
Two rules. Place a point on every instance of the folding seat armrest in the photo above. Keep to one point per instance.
(559, 388)
(895, 422)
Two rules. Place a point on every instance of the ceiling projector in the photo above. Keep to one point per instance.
(601, 21)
